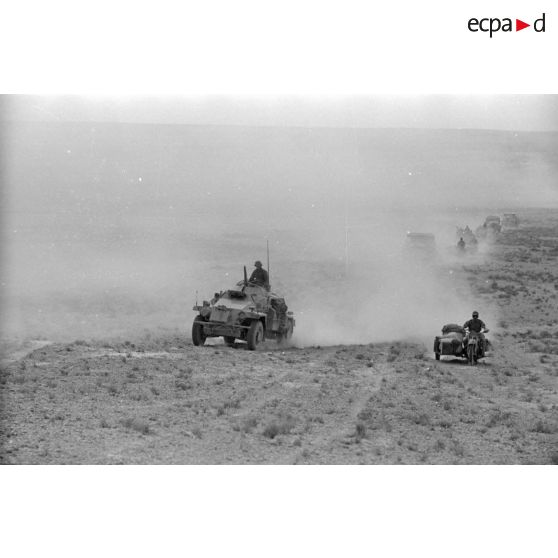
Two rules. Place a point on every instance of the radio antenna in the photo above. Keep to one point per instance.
(346, 242)
(268, 270)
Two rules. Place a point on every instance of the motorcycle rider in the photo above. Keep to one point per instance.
(476, 325)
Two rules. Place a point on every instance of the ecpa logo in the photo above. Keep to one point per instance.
(494, 24)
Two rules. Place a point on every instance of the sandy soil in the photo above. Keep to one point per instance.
(157, 399)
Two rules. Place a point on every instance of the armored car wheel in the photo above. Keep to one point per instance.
(198, 336)
(437, 356)
(255, 335)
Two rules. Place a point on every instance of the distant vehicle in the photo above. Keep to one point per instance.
(510, 221)
(490, 229)
(456, 341)
(247, 312)
(421, 243)
(466, 234)
(494, 222)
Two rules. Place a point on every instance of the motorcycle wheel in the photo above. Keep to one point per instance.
(471, 358)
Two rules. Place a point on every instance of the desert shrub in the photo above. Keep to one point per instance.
(112, 389)
(458, 449)
(365, 415)
(498, 417)
(248, 424)
(281, 425)
(139, 396)
(229, 404)
(536, 346)
(544, 428)
(180, 384)
(423, 419)
(360, 430)
(185, 372)
(137, 424)
(439, 445)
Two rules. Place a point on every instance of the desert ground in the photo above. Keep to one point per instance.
(153, 398)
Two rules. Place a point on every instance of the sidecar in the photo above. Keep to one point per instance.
(450, 342)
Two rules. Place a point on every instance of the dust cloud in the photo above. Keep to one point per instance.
(115, 229)
(380, 289)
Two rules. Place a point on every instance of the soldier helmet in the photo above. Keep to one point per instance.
(258, 263)
(475, 314)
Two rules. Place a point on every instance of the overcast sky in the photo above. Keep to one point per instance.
(499, 112)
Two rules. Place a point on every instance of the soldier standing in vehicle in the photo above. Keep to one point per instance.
(281, 308)
(475, 324)
(259, 276)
